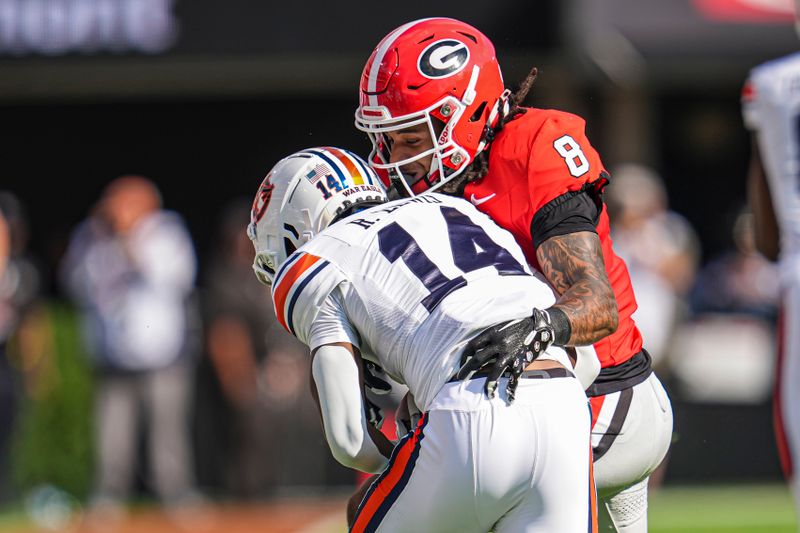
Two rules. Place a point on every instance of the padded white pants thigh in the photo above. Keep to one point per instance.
(474, 464)
(630, 439)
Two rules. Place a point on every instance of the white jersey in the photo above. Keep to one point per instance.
(771, 105)
(414, 280)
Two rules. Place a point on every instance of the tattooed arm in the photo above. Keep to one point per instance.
(574, 266)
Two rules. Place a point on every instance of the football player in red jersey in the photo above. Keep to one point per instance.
(433, 102)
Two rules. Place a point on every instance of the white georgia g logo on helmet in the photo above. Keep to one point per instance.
(443, 58)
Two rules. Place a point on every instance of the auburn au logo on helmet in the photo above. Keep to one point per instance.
(261, 203)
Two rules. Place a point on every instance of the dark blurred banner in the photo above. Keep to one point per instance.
(131, 48)
(91, 27)
(125, 49)
(681, 40)
(56, 27)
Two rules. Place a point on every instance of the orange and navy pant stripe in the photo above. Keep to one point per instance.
(388, 487)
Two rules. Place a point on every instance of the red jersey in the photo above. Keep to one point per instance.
(537, 162)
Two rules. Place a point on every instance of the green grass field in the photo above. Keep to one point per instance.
(710, 509)
(722, 509)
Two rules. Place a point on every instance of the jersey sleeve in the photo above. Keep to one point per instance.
(565, 179)
(561, 159)
(331, 324)
(301, 286)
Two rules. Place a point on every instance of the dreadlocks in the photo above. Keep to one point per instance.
(516, 98)
(480, 167)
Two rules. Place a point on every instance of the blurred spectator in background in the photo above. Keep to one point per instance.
(268, 433)
(725, 352)
(19, 288)
(130, 267)
(660, 248)
(740, 280)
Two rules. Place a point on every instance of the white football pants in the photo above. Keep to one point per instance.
(631, 433)
(786, 396)
(475, 465)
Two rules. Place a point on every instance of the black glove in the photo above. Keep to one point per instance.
(512, 346)
(375, 379)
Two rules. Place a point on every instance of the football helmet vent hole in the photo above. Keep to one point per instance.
(418, 87)
(468, 36)
(289, 246)
(292, 230)
(428, 38)
(478, 112)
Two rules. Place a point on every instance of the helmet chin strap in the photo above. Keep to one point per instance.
(397, 185)
(400, 186)
(435, 168)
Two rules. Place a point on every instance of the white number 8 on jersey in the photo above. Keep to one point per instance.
(573, 155)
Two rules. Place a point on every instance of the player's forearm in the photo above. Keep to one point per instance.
(592, 313)
(347, 430)
(574, 266)
(382, 442)
(764, 220)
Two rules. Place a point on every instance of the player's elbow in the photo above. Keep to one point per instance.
(345, 442)
(349, 447)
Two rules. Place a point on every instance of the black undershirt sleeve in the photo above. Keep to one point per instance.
(568, 213)
(571, 212)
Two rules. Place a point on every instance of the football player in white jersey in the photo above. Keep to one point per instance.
(406, 285)
(771, 108)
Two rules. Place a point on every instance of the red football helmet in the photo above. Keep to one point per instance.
(431, 68)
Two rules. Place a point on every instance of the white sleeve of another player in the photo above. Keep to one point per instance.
(751, 98)
(587, 365)
(336, 376)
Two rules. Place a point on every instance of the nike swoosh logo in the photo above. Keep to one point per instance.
(479, 201)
